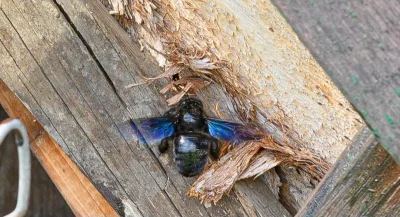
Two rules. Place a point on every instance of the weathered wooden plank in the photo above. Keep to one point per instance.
(358, 45)
(31, 86)
(71, 74)
(365, 181)
(64, 121)
(77, 190)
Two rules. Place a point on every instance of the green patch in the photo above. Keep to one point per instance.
(351, 157)
(354, 79)
(363, 113)
(376, 133)
(380, 45)
(397, 91)
(352, 14)
(365, 36)
(312, 2)
(390, 138)
(389, 119)
(365, 212)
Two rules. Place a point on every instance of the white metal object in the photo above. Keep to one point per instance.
(24, 162)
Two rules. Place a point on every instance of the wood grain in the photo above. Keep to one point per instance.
(357, 43)
(69, 66)
(365, 181)
(77, 190)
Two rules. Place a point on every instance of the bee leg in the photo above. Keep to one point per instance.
(163, 146)
(214, 149)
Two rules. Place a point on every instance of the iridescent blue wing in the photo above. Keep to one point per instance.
(231, 131)
(153, 129)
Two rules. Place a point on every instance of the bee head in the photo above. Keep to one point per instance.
(191, 106)
(189, 102)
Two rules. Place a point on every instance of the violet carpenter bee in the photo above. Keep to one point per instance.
(192, 134)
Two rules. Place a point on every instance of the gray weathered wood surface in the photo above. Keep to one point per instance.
(45, 199)
(69, 63)
(365, 181)
(357, 43)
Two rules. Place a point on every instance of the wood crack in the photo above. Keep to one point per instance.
(89, 49)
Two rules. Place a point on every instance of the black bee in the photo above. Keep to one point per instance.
(193, 135)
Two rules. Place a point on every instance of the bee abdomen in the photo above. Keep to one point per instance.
(190, 164)
(191, 153)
